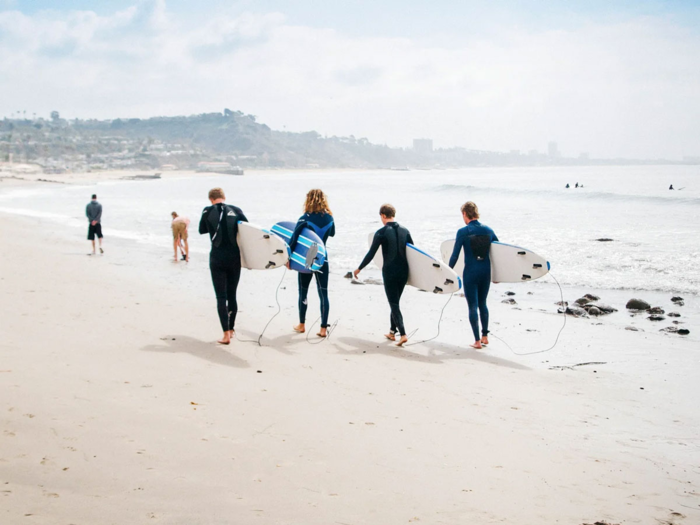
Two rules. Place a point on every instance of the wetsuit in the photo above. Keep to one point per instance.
(220, 221)
(324, 226)
(393, 239)
(475, 240)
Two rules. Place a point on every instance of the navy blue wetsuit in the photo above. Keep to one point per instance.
(393, 239)
(220, 221)
(475, 240)
(324, 226)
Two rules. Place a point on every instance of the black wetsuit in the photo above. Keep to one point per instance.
(324, 226)
(220, 221)
(393, 239)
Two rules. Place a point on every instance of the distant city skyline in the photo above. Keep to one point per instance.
(602, 79)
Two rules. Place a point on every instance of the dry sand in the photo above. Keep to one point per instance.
(118, 408)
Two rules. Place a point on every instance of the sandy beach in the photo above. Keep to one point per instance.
(118, 407)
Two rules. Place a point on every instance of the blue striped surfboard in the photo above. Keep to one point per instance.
(309, 254)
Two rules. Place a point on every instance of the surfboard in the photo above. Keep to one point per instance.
(509, 264)
(309, 253)
(260, 249)
(425, 271)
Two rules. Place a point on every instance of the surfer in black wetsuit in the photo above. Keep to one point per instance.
(319, 218)
(393, 239)
(670, 187)
(220, 221)
(475, 240)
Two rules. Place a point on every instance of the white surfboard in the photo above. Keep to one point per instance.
(260, 249)
(509, 264)
(425, 271)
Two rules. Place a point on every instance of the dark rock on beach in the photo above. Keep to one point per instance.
(591, 297)
(559, 303)
(683, 331)
(581, 301)
(674, 314)
(510, 293)
(637, 304)
(633, 329)
(670, 329)
(575, 311)
(604, 239)
(509, 301)
(656, 317)
(595, 311)
(602, 309)
(348, 275)
(656, 310)
(676, 299)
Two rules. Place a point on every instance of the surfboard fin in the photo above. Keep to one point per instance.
(437, 290)
(537, 266)
(311, 255)
(448, 282)
(270, 265)
(526, 277)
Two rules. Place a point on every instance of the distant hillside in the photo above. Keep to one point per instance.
(230, 137)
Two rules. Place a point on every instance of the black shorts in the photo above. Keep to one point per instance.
(94, 230)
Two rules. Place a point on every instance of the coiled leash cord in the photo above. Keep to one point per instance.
(279, 309)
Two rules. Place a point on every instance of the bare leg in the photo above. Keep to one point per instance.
(93, 247)
(187, 251)
(300, 328)
(100, 241)
(175, 246)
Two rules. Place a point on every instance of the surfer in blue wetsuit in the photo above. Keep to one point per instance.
(393, 239)
(319, 218)
(475, 240)
(220, 221)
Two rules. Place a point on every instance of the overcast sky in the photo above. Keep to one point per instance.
(612, 78)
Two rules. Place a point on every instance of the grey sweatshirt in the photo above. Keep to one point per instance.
(93, 211)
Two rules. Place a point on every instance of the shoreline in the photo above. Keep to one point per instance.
(117, 400)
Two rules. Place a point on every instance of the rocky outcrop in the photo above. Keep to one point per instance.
(657, 310)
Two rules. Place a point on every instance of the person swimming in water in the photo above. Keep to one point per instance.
(319, 218)
(670, 187)
(475, 240)
(220, 221)
(393, 239)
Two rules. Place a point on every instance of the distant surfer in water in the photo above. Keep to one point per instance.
(220, 221)
(319, 218)
(567, 186)
(393, 239)
(670, 187)
(475, 240)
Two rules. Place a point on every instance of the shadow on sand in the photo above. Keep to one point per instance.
(207, 350)
(437, 352)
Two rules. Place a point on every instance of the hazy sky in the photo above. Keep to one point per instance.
(613, 78)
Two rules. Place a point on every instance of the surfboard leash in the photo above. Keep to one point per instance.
(563, 311)
(438, 326)
(329, 331)
(279, 309)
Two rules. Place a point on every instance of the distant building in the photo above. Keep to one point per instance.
(553, 150)
(423, 146)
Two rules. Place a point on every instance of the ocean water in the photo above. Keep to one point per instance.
(655, 232)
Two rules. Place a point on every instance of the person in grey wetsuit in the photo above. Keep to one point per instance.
(475, 240)
(93, 212)
(220, 221)
(393, 239)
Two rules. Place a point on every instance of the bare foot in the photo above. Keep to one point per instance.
(402, 341)
(323, 332)
(101, 250)
(226, 339)
(300, 328)
(484, 340)
(390, 336)
(477, 345)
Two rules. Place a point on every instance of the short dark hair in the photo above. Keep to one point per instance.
(388, 211)
(94, 196)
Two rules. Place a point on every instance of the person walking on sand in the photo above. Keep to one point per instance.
(93, 212)
(319, 218)
(393, 239)
(220, 221)
(179, 227)
(475, 240)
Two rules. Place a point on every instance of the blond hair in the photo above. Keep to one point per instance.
(471, 210)
(216, 193)
(388, 211)
(316, 202)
